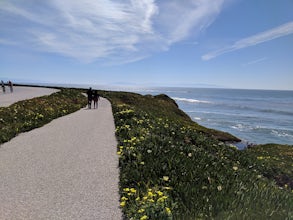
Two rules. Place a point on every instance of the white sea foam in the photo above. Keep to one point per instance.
(191, 100)
(197, 118)
(281, 134)
(246, 127)
(241, 127)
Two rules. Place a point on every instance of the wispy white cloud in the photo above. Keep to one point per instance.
(113, 30)
(177, 19)
(259, 60)
(280, 31)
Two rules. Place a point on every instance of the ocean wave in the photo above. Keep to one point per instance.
(264, 130)
(279, 133)
(246, 127)
(191, 100)
(242, 127)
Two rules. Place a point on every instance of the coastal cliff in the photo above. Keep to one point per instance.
(163, 106)
(172, 167)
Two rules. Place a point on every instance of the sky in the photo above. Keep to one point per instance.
(195, 43)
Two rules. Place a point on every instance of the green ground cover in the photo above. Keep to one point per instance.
(172, 168)
(29, 114)
(275, 162)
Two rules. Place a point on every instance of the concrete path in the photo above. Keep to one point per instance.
(22, 93)
(67, 169)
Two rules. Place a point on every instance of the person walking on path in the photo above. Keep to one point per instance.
(10, 86)
(96, 98)
(89, 97)
(3, 86)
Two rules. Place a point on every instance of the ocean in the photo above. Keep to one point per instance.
(254, 116)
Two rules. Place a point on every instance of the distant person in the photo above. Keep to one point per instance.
(89, 97)
(96, 98)
(10, 86)
(3, 86)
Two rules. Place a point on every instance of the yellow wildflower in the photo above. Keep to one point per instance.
(133, 190)
(123, 203)
(235, 168)
(160, 193)
(167, 188)
(145, 217)
(141, 211)
(123, 198)
(168, 210)
(165, 178)
(162, 199)
(151, 200)
(150, 194)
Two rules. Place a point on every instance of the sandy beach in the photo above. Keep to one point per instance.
(22, 93)
(67, 169)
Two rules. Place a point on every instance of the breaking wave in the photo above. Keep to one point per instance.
(191, 100)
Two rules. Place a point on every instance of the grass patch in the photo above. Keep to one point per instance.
(172, 168)
(163, 106)
(275, 162)
(33, 113)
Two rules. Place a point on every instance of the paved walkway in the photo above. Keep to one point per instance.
(67, 169)
(22, 93)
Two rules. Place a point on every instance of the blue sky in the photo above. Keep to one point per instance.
(227, 43)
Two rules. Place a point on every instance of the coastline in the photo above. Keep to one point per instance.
(163, 152)
(160, 147)
(254, 116)
(236, 141)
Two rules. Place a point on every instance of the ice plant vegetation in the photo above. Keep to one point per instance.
(172, 168)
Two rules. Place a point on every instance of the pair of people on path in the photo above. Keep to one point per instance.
(9, 84)
(92, 96)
